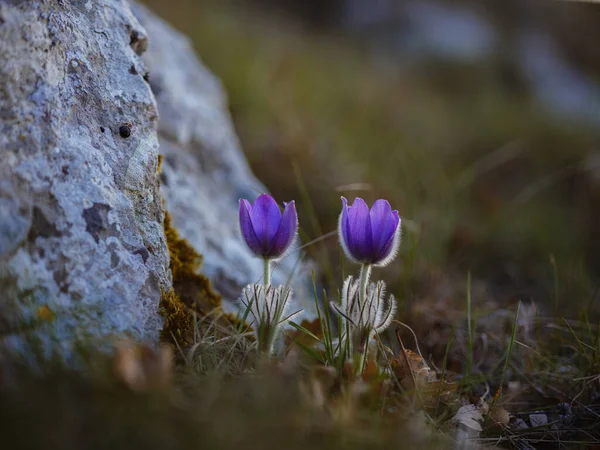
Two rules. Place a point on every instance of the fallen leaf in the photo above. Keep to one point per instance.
(470, 416)
(499, 416)
(413, 372)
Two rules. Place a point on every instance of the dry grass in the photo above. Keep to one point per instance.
(535, 380)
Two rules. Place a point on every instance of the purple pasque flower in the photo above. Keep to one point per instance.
(267, 232)
(369, 237)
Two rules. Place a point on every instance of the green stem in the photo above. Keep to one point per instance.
(360, 352)
(267, 273)
(363, 359)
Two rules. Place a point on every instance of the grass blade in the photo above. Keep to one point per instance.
(469, 328)
(510, 348)
(445, 363)
(305, 331)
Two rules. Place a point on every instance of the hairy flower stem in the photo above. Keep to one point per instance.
(267, 273)
(360, 343)
(365, 274)
(266, 343)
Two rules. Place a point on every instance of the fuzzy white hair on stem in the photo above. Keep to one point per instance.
(267, 306)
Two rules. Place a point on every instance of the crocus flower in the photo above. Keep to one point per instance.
(267, 232)
(369, 237)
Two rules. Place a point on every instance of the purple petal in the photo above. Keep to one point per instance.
(344, 229)
(383, 224)
(266, 218)
(287, 231)
(246, 227)
(359, 227)
(388, 247)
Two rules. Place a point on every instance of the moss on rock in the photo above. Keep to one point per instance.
(191, 293)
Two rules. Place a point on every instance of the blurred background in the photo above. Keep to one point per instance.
(478, 120)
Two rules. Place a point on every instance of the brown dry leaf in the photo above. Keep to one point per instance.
(413, 373)
(434, 390)
(499, 416)
(371, 372)
(141, 367)
(412, 370)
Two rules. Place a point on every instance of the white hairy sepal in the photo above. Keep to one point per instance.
(268, 310)
(375, 314)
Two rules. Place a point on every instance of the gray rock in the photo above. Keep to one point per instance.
(204, 172)
(82, 249)
(83, 257)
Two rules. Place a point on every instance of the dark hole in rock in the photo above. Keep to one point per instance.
(133, 70)
(138, 42)
(143, 252)
(125, 131)
(60, 278)
(114, 259)
(40, 226)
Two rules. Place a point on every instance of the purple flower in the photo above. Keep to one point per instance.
(369, 237)
(267, 232)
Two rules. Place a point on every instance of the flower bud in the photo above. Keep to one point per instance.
(369, 237)
(267, 232)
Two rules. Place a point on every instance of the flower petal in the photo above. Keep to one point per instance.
(390, 248)
(286, 233)
(246, 227)
(359, 227)
(344, 229)
(383, 224)
(266, 218)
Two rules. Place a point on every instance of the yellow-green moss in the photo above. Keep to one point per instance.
(179, 321)
(192, 292)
